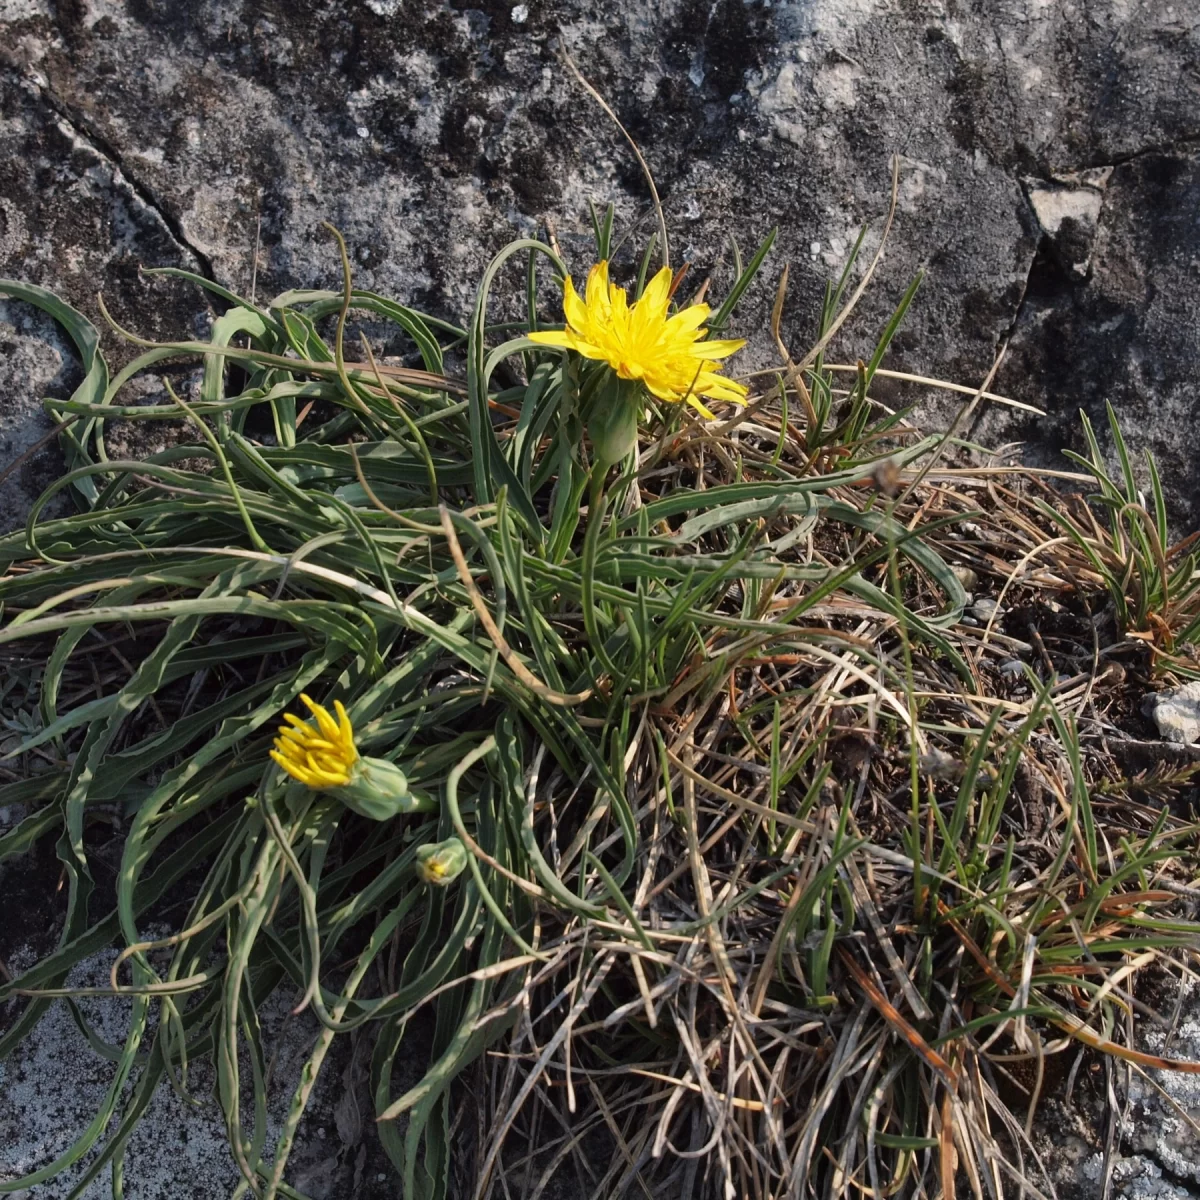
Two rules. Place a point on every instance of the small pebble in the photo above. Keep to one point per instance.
(968, 621)
(1176, 713)
(520, 14)
(984, 608)
(967, 578)
(1013, 667)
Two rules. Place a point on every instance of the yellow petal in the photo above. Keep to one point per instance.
(562, 338)
(662, 391)
(574, 309)
(345, 730)
(618, 316)
(328, 777)
(326, 723)
(597, 289)
(689, 319)
(293, 769)
(590, 351)
(721, 349)
(657, 295)
(320, 757)
(639, 341)
(717, 387)
(308, 738)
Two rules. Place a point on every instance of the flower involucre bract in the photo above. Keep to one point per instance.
(641, 342)
(320, 757)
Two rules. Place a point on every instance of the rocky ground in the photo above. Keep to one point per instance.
(1050, 189)
(180, 1150)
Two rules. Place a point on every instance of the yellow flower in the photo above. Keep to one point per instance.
(641, 342)
(325, 758)
(320, 757)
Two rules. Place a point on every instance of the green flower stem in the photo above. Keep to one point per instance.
(587, 572)
(241, 942)
(486, 747)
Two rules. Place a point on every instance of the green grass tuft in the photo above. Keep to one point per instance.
(782, 881)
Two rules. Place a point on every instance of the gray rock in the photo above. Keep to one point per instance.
(1127, 333)
(1068, 214)
(1156, 1146)
(968, 578)
(54, 1083)
(1161, 1129)
(35, 359)
(1176, 713)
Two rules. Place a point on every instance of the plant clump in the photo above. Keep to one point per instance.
(754, 799)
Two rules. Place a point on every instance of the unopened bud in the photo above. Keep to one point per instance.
(441, 863)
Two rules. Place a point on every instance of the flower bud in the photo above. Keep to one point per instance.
(378, 789)
(440, 863)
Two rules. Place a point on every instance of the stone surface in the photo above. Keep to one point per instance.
(1157, 1155)
(1176, 713)
(1049, 188)
(36, 359)
(53, 1085)
(1163, 1108)
(1128, 333)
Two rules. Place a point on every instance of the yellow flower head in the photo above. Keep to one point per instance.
(321, 756)
(640, 341)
